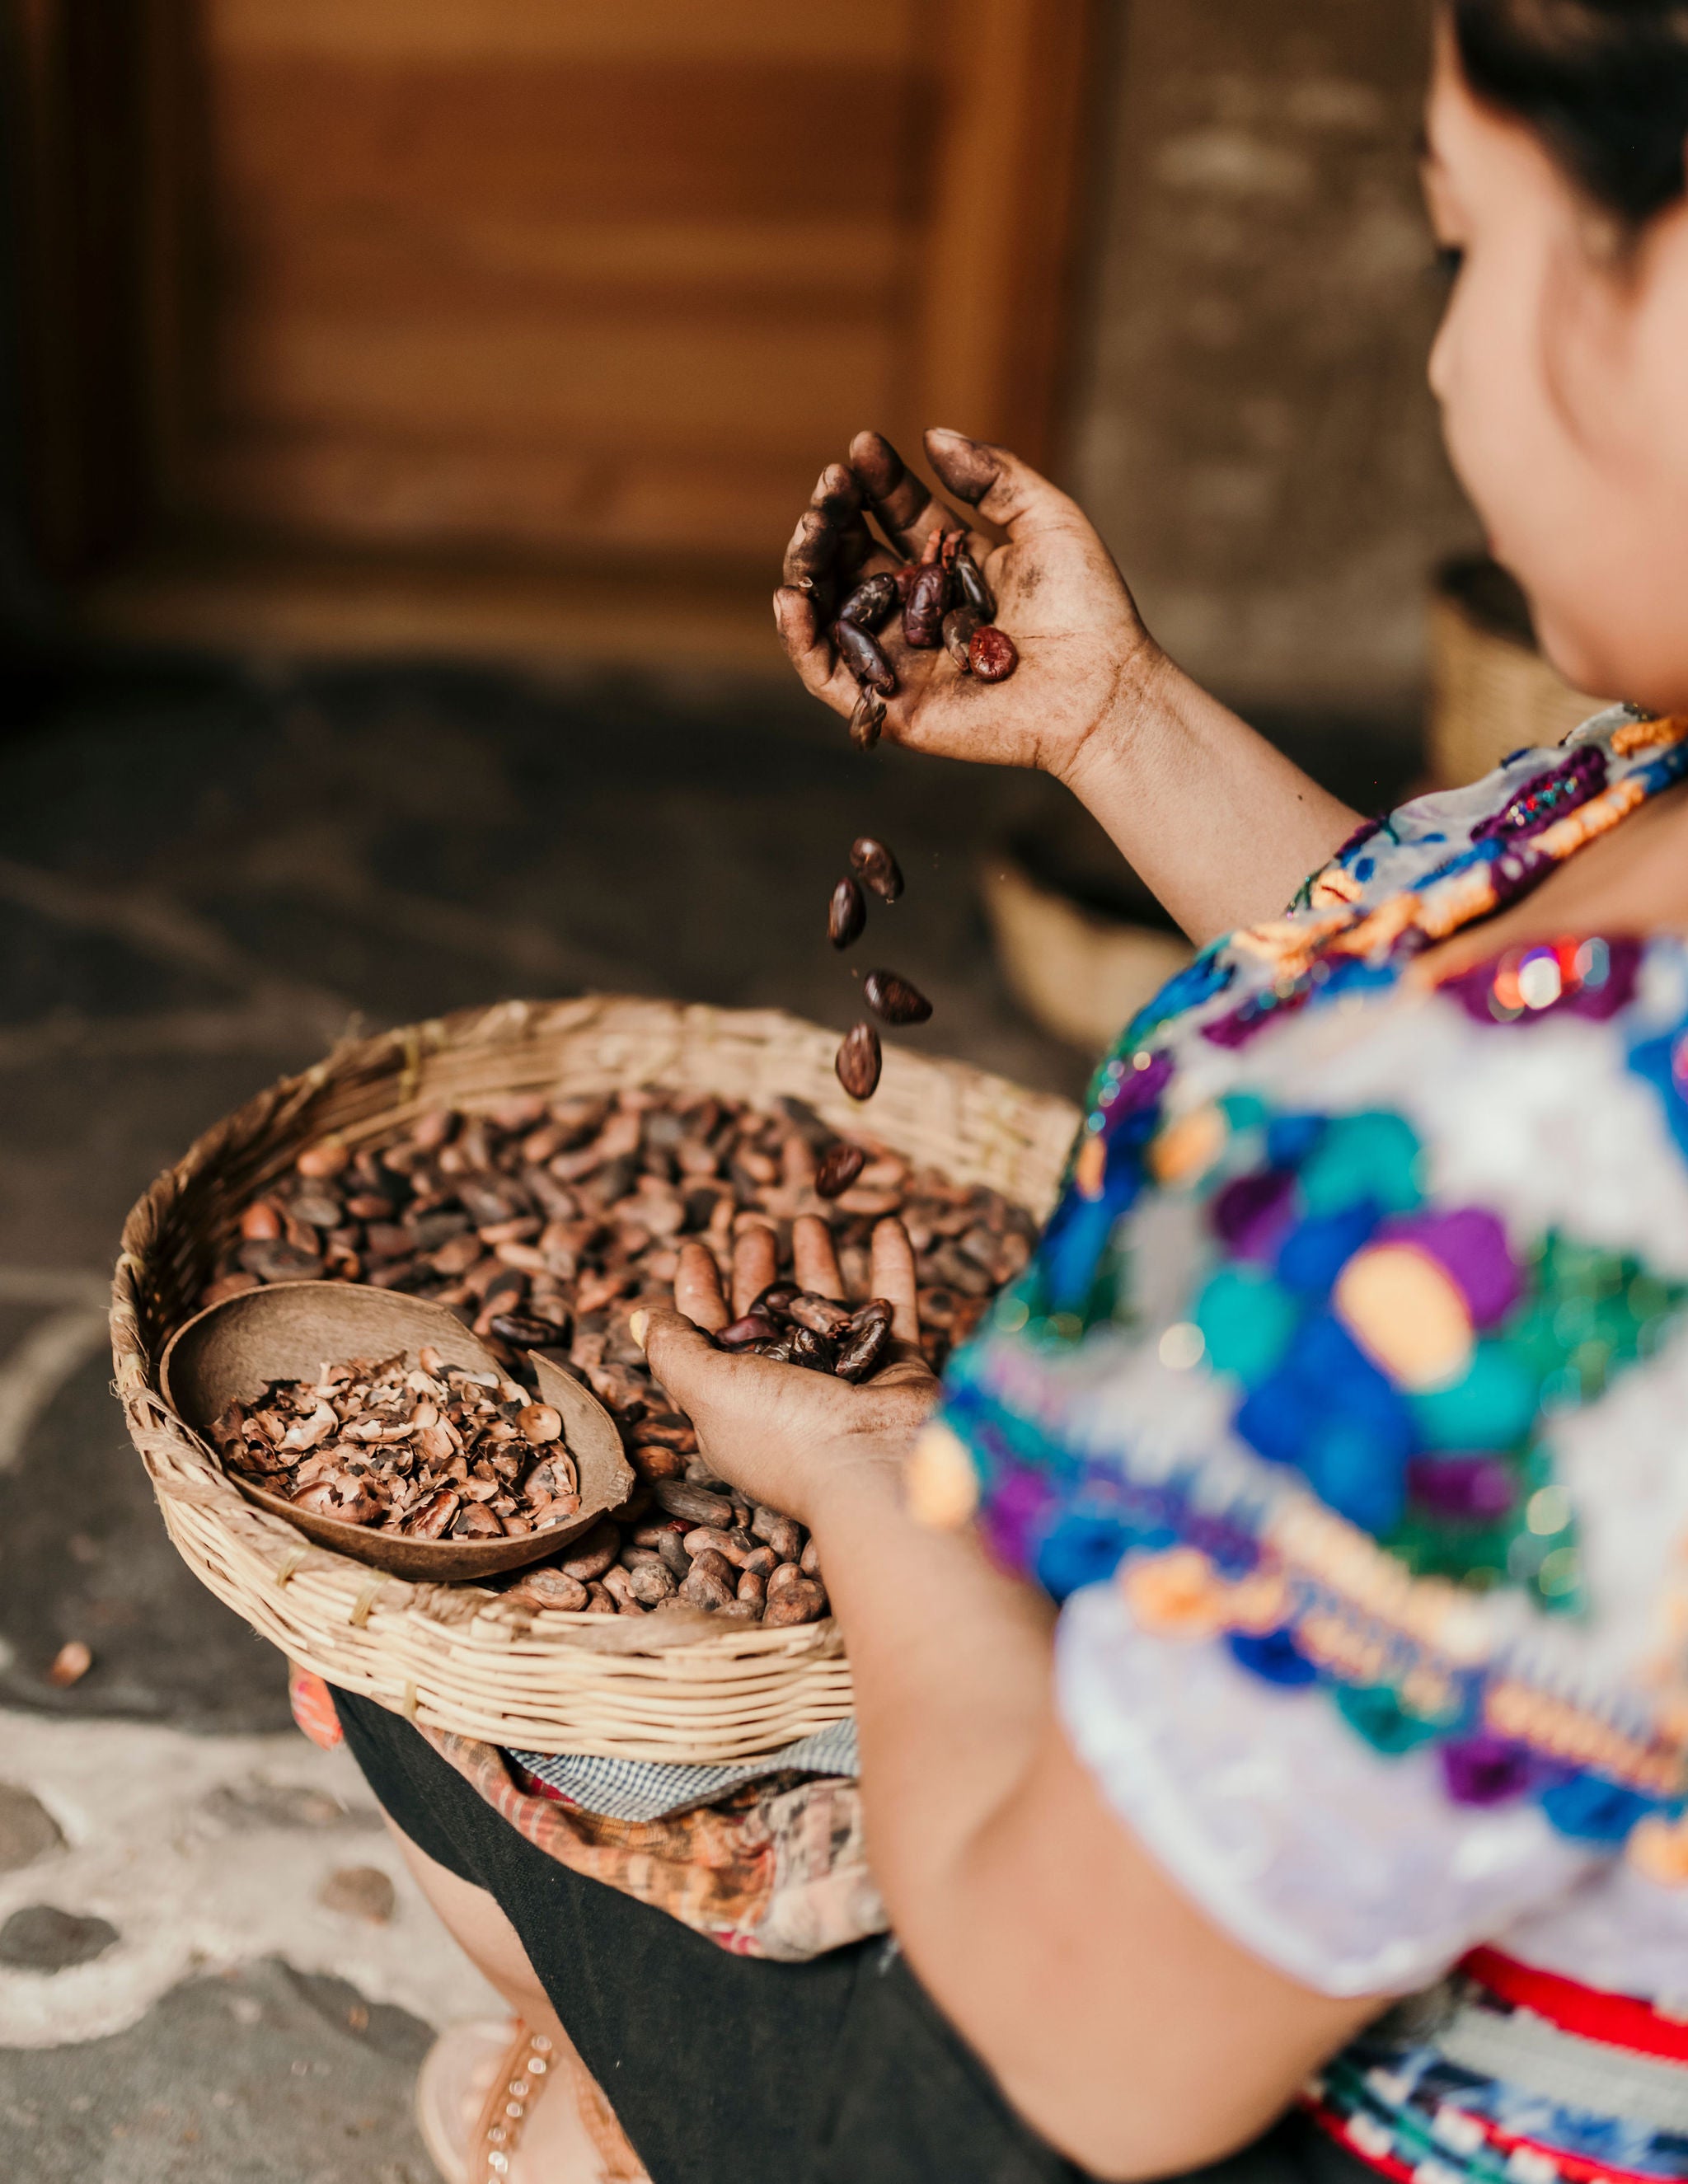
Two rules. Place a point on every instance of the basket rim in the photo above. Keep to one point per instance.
(332, 1588)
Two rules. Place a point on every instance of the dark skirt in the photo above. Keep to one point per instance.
(722, 2068)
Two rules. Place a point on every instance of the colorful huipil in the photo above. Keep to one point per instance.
(1344, 1408)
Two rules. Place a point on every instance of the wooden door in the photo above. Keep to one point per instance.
(463, 303)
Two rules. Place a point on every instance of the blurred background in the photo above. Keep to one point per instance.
(404, 405)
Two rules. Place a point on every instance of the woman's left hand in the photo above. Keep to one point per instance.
(783, 1434)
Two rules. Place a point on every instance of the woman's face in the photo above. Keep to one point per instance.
(1561, 368)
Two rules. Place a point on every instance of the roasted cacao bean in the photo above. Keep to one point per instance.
(846, 914)
(860, 1061)
(838, 1169)
(868, 719)
(991, 654)
(959, 625)
(820, 1315)
(869, 606)
(970, 584)
(589, 1187)
(692, 1503)
(878, 869)
(862, 1349)
(864, 660)
(525, 1330)
(893, 999)
(928, 597)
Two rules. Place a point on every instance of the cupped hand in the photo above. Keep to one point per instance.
(787, 1436)
(1084, 651)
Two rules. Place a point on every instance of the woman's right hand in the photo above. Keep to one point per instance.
(1085, 658)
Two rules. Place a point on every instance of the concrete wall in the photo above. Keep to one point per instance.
(1255, 435)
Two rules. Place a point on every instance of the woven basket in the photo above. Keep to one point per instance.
(1491, 692)
(458, 1657)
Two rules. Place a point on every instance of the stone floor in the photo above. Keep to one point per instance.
(211, 1965)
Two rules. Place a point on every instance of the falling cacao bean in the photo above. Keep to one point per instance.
(864, 660)
(860, 1061)
(838, 1169)
(847, 914)
(893, 999)
(878, 869)
(991, 654)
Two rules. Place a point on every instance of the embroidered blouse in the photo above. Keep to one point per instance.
(1343, 1406)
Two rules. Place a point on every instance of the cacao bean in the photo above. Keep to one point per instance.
(525, 1330)
(711, 1582)
(959, 625)
(680, 1500)
(894, 1000)
(859, 1063)
(753, 1327)
(551, 1588)
(838, 1169)
(589, 1558)
(868, 719)
(991, 654)
(820, 1315)
(847, 914)
(860, 1352)
(971, 584)
(801, 1603)
(811, 1350)
(870, 605)
(877, 868)
(861, 654)
(928, 596)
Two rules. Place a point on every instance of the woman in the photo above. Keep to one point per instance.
(1340, 1406)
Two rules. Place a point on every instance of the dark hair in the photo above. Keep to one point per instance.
(1604, 84)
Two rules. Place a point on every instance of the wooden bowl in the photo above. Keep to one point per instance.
(231, 1353)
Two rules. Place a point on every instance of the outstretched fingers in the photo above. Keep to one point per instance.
(894, 1280)
(906, 510)
(697, 1288)
(756, 1264)
(813, 1257)
(1000, 485)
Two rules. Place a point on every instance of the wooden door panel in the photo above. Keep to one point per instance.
(548, 279)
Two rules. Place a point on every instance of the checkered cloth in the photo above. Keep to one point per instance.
(640, 1789)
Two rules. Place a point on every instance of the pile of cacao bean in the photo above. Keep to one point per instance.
(544, 1224)
(435, 1453)
(945, 601)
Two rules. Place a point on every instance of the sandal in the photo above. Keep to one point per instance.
(476, 2088)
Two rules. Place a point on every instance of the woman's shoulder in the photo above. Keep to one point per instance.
(1363, 1353)
(1401, 848)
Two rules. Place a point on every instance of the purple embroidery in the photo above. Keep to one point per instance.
(1471, 1245)
(1251, 1213)
(1480, 1489)
(1601, 982)
(1484, 1770)
(1547, 797)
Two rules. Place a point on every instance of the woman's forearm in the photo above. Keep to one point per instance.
(1217, 823)
(1121, 2024)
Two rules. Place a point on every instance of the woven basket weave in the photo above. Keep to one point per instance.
(461, 1657)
